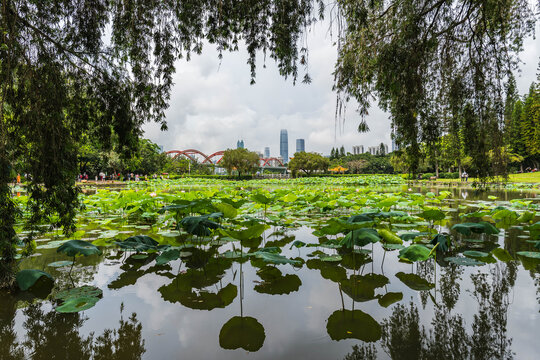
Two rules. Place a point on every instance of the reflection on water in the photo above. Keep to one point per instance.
(52, 335)
(367, 305)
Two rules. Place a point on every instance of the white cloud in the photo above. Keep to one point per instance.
(212, 104)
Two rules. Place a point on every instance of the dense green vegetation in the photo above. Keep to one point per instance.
(67, 84)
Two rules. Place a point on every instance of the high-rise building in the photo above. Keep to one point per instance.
(358, 149)
(395, 147)
(267, 152)
(300, 145)
(240, 144)
(284, 145)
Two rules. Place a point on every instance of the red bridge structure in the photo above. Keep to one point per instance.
(192, 154)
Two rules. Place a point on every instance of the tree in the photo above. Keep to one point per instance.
(342, 151)
(308, 162)
(357, 166)
(424, 58)
(242, 160)
(70, 66)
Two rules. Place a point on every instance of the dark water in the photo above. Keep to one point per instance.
(160, 312)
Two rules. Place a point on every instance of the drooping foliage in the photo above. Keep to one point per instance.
(105, 67)
(431, 62)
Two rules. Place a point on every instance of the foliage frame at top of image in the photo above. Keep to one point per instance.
(73, 248)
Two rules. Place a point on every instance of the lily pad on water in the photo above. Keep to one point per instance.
(138, 243)
(57, 264)
(78, 247)
(530, 254)
(390, 247)
(78, 292)
(481, 227)
(476, 254)
(414, 281)
(242, 332)
(275, 258)
(464, 261)
(356, 324)
(77, 304)
(29, 277)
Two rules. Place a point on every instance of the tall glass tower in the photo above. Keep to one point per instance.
(267, 152)
(300, 145)
(284, 145)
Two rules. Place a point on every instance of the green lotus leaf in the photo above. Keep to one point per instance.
(534, 230)
(77, 304)
(414, 253)
(271, 249)
(168, 256)
(275, 258)
(138, 243)
(78, 292)
(360, 237)
(530, 254)
(254, 231)
(200, 225)
(242, 332)
(235, 254)
(389, 237)
(443, 242)
(408, 236)
(359, 218)
(389, 298)
(481, 227)
(227, 210)
(57, 264)
(526, 217)
(29, 277)
(432, 215)
(390, 247)
(475, 254)
(356, 324)
(78, 247)
(297, 244)
(505, 218)
(502, 254)
(464, 261)
(139, 256)
(414, 281)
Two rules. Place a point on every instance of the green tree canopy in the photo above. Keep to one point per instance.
(67, 67)
(425, 58)
(308, 162)
(241, 160)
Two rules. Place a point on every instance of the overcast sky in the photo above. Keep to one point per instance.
(213, 105)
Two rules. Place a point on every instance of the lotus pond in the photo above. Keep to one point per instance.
(347, 268)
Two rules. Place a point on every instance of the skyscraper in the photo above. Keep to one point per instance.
(267, 152)
(284, 145)
(300, 145)
(240, 144)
